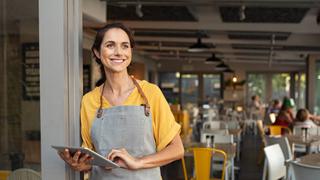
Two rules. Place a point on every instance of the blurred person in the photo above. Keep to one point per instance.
(255, 108)
(305, 119)
(286, 116)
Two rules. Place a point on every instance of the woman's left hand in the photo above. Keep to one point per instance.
(124, 159)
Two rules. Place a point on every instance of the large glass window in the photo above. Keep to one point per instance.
(169, 84)
(189, 90)
(300, 90)
(280, 85)
(19, 89)
(317, 94)
(256, 86)
(212, 86)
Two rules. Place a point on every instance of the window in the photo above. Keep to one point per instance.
(19, 90)
(256, 86)
(317, 94)
(280, 86)
(189, 90)
(212, 87)
(169, 84)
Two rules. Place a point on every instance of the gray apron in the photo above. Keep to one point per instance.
(128, 127)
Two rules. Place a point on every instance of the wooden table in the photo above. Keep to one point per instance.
(311, 141)
(310, 159)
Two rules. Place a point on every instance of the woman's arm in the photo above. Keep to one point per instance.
(314, 117)
(172, 152)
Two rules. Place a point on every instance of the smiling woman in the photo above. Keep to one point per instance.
(124, 119)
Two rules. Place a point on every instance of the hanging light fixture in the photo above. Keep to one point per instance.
(234, 78)
(138, 10)
(212, 59)
(222, 66)
(242, 13)
(198, 47)
(228, 70)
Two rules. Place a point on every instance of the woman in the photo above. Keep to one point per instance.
(285, 116)
(126, 120)
(305, 119)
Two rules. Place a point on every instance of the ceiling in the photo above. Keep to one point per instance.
(269, 32)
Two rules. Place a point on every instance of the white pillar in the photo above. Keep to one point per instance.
(60, 34)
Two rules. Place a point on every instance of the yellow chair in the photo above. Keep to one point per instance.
(277, 130)
(185, 174)
(4, 174)
(202, 162)
(263, 139)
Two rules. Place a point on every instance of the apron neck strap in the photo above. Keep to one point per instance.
(146, 105)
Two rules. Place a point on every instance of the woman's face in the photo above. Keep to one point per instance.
(115, 50)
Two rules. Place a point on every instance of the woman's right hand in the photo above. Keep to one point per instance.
(78, 162)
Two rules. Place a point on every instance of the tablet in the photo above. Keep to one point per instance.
(98, 160)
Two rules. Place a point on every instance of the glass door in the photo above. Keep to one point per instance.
(19, 89)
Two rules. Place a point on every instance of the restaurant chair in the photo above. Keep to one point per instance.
(234, 124)
(224, 139)
(275, 162)
(212, 132)
(202, 163)
(25, 174)
(184, 168)
(300, 148)
(263, 139)
(304, 172)
(4, 174)
(214, 125)
(278, 130)
(285, 147)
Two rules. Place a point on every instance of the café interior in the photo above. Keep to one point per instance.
(229, 69)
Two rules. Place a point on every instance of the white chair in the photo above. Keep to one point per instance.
(24, 174)
(275, 162)
(297, 130)
(207, 133)
(284, 145)
(211, 125)
(225, 138)
(234, 124)
(304, 172)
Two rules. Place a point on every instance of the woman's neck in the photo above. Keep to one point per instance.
(118, 83)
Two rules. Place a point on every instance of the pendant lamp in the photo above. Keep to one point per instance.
(212, 59)
(228, 70)
(221, 67)
(198, 47)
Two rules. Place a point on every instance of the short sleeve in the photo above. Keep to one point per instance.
(85, 125)
(164, 124)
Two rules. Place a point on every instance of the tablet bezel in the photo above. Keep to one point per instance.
(98, 160)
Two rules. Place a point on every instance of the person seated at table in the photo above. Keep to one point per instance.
(285, 116)
(275, 107)
(305, 119)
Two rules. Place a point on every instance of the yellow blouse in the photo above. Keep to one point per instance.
(164, 125)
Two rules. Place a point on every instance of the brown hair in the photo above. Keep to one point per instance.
(302, 115)
(98, 40)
